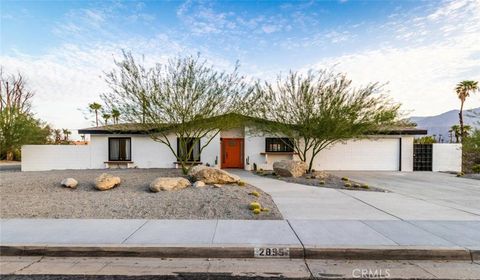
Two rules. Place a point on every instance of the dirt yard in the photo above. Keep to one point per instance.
(40, 195)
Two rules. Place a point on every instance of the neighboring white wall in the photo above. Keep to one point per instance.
(447, 157)
(211, 152)
(55, 157)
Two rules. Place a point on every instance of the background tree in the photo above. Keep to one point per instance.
(184, 97)
(321, 108)
(66, 133)
(95, 108)
(457, 131)
(18, 126)
(463, 90)
(471, 152)
(57, 136)
(106, 117)
(115, 115)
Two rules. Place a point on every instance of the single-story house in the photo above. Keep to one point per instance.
(392, 150)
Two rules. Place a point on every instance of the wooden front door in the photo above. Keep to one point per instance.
(232, 152)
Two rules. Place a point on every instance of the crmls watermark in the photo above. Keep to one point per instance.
(370, 273)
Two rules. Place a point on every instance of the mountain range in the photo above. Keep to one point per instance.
(441, 124)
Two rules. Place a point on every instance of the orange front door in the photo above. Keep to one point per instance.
(232, 152)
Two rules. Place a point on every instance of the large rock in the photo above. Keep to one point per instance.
(195, 169)
(290, 168)
(106, 181)
(211, 175)
(69, 183)
(169, 184)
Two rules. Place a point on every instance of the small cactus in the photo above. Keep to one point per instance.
(254, 193)
(241, 183)
(322, 182)
(344, 179)
(348, 185)
(256, 211)
(255, 205)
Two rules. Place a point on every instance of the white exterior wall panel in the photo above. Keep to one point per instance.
(55, 157)
(447, 157)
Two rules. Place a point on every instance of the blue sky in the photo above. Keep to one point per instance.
(419, 48)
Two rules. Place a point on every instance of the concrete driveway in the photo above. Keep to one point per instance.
(437, 188)
(415, 197)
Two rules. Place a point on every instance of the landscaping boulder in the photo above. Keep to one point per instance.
(198, 184)
(212, 175)
(69, 183)
(289, 168)
(195, 169)
(169, 184)
(106, 181)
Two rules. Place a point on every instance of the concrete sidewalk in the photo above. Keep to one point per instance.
(361, 239)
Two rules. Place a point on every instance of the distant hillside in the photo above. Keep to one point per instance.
(440, 124)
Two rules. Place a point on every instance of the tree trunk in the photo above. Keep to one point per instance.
(10, 155)
(460, 116)
(96, 118)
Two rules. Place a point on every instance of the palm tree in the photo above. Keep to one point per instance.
(66, 132)
(95, 107)
(458, 133)
(57, 134)
(105, 117)
(463, 90)
(115, 115)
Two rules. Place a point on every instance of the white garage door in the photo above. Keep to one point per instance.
(379, 154)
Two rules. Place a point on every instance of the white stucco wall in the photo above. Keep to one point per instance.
(407, 153)
(55, 157)
(447, 157)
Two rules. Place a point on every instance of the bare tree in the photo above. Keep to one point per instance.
(184, 97)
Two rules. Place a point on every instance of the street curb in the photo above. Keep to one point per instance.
(239, 251)
(73, 250)
(389, 253)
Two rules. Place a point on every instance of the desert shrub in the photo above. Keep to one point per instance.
(476, 168)
(460, 174)
(254, 193)
(256, 211)
(322, 182)
(348, 185)
(241, 183)
(365, 186)
(255, 205)
(344, 179)
(356, 185)
(265, 209)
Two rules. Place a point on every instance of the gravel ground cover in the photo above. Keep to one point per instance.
(331, 181)
(40, 195)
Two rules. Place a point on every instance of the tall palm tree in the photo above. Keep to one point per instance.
(57, 134)
(95, 107)
(115, 115)
(106, 117)
(463, 90)
(457, 132)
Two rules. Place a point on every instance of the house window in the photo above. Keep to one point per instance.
(278, 145)
(189, 145)
(119, 149)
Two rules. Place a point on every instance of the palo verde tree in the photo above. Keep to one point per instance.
(18, 126)
(185, 98)
(322, 108)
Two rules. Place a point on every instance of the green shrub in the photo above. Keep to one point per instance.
(344, 179)
(348, 185)
(365, 186)
(476, 168)
(255, 205)
(460, 174)
(241, 183)
(357, 185)
(256, 211)
(321, 182)
(254, 193)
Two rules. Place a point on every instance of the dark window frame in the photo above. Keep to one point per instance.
(192, 159)
(128, 157)
(286, 145)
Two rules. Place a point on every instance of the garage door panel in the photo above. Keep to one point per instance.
(381, 154)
